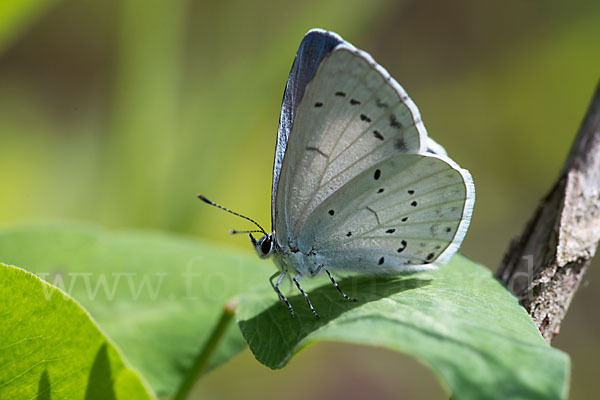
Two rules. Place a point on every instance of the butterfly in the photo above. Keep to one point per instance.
(358, 186)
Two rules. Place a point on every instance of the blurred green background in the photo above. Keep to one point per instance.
(119, 112)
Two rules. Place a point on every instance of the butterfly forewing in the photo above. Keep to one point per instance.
(352, 116)
(401, 214)
(315, 46)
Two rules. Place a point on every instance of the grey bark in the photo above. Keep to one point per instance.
(545, 265)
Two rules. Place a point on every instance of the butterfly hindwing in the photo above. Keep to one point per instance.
(400, 215)
(352, 116)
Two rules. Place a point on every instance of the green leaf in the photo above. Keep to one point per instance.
(157, 295)
(51, 348)
(459, 321)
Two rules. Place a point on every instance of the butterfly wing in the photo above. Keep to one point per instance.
(352, 116)
(402, 214)
(315, 45)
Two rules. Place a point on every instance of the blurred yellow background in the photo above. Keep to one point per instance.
(119, 112)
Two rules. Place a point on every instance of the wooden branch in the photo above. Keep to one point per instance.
(544, 266)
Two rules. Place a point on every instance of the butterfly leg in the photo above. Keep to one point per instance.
(337, 287)
(295, 279)
(276, 285)
(282, 298)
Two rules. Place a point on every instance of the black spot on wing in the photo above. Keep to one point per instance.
(340, 94)
(380, 190)
(377, 174)
(349, 234)
(354, 102)
(318, 104)
(400, 144)
(394, 123)
(380, 103)
(414, 203)
(391, 230)
(411, 192)
(403, 247)
(364, 117)
(378, 135)
(430, 256)
(381, 260)
(331, 212)
(404, 219)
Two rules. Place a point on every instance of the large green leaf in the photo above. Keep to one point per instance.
(50, 348)
(459, 321)
(158, 296)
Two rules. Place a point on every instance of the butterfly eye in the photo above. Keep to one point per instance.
(266, 245)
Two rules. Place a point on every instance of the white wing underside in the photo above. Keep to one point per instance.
(357, 132)
(400, 215)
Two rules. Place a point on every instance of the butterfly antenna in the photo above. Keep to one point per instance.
(235, 232)
(212, 203)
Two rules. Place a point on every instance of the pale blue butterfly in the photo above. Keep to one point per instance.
(358, 186)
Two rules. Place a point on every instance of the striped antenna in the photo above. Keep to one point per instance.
(212, 203)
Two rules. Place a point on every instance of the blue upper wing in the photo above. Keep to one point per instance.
(315, 46)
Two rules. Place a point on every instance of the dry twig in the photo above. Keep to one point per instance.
(544, 266)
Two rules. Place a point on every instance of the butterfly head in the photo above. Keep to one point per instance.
(264, 246)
